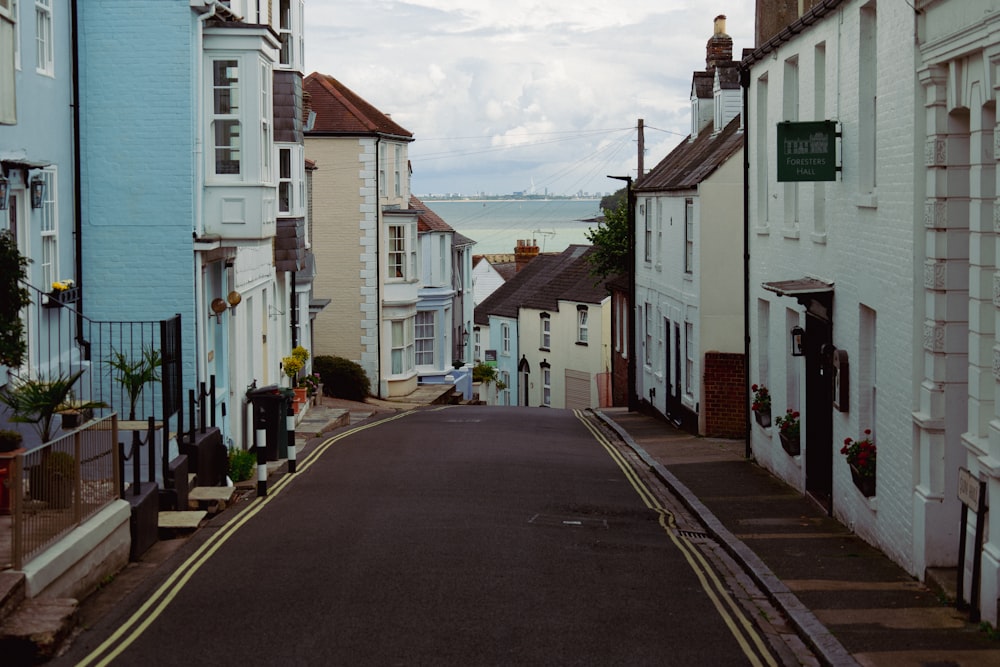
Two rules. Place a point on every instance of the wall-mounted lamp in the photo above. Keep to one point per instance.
(218, 307)
(797, 334)
(4, 189)
(37, 191)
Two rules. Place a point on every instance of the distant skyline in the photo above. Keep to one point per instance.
(511, 96)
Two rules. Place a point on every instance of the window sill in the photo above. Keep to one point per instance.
(819, 239)
(582, 343)
(544, 349)
(866, 200)
(762, 230)
(791, 233)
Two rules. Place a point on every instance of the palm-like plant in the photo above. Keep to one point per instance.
(134, 375)
(37, 401)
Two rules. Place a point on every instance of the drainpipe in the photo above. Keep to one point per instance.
(77, 169)
(378, 272)
(745, 84)
(199, 184)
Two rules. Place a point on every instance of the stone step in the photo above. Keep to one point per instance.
(210, 498)
(36, 630)
(170, 524)
(12, 587)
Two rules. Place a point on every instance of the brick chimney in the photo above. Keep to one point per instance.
(720, 45)
(525, 251)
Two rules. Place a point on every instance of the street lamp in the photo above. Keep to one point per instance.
(633, 401)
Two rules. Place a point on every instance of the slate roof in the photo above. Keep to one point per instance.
(702, 84)
(691, 162)
(342, 112)
(546, 280)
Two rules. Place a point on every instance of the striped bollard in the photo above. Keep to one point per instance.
(260, 439)
(290, 427)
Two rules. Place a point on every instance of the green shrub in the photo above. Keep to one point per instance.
(241, 464)
(342, 378)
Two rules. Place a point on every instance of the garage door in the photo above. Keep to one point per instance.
(577, 389)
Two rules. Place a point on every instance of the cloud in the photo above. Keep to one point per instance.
(499, 94)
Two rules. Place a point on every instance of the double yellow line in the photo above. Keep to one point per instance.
(151, 609)
(747, 636)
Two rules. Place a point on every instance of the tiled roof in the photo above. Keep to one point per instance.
(546, 280)
(691, 162)
(341, 111)
(701, 84)
(428, 220)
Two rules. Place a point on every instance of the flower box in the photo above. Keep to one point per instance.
(763, 417)
(792, 446)
(59, 298)
(866, 485)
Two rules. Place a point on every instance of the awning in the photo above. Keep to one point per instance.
(814, 294)
(20, 160)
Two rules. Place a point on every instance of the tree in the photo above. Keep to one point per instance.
(13, 297)
(610, 241)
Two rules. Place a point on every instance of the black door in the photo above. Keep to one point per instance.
(819, 411)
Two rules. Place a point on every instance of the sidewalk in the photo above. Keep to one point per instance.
(846, 599)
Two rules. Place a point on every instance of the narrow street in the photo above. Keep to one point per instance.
(470, 536)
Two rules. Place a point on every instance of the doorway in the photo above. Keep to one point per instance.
(819, 410)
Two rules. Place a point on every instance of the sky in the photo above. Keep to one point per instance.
(523, 95)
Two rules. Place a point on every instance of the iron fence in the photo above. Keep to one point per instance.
(58, 486)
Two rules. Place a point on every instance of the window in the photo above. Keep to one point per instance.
(266, 108)
(689, 359)
(442, 257)
(285, 191)
(397, 251)
(762, 148)
(688, 236)
(44, 62)
(547, 386)
(545, 322)
(648, 217)
(477, 352)
(398, 175)
(402, 346)
(226, 115)
(505, 339)
(581, 324)
(49, 230)
(285, 31)
(649, 334)
(8, 61)
(383, 157)
(424, 338)
(867, 97)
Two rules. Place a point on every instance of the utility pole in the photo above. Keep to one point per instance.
(642, 147)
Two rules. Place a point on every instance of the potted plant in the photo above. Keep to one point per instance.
(311, 383)
(37, 401)
(788, 431)
(457, 363)
(861, 457)
(761, 404)
(134, 374)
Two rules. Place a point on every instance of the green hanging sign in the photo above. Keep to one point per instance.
(807, 151)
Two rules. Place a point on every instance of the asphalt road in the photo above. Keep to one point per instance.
(453, 536)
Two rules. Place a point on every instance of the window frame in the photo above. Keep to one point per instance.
(689, 359)
(423, 338)
(582, 325)
(688, 235)
(547, 386)
(505, 339)
(545, 331)
(44, 35)
(47, 222)
(396, 246)
(648, 234)
(231, 118)
(402, 347)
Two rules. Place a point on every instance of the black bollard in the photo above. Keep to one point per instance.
(259, 437)
(290, 427)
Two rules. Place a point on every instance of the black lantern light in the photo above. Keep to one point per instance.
(4, 187)
(37, 190)
(797, 334)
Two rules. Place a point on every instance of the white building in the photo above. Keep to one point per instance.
(889, 267)
(689, 270)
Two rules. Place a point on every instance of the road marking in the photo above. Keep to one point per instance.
(742, 629)
(151, 609)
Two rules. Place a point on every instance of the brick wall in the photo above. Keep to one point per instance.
(724, 386)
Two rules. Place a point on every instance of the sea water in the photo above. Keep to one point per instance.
(497, 225)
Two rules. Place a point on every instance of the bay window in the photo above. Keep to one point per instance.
(402, 346)
(424, 337)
